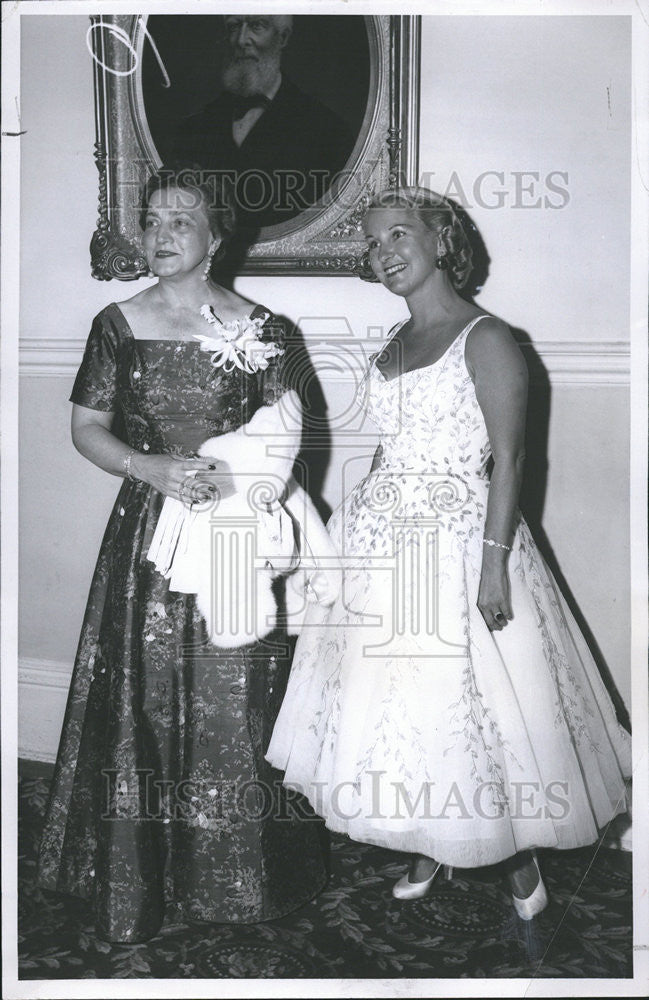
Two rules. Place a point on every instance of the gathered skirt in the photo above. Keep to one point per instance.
(162, 801)
(409, 725)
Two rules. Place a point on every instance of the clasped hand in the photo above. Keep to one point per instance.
(192, 480)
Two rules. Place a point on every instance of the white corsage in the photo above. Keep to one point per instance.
(238, 344)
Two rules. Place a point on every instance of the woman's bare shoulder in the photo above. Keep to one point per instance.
(238, 305)
(230, 305)
(491, 342)
(137, 303)
(491, 333)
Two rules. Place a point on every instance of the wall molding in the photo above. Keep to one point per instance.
(569, 362)
(42, 694)
(49, 356)
(581, 362)
(44, 673)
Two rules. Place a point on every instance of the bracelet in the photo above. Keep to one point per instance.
(127, 465)
(499, 545)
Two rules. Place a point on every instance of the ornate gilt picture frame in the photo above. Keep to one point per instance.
(322, 239)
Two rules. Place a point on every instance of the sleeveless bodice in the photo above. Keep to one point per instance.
(429, 419)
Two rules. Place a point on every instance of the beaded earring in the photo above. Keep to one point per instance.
(364, 269)
(214, 245)
(441, 262)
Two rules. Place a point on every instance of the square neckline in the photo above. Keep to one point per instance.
(170, 340)
(423, 368)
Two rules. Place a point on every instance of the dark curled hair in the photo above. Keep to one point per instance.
(439, 216)
(213, 189)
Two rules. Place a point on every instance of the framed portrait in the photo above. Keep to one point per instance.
(303, 163)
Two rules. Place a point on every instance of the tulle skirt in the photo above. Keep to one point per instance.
(408, 724)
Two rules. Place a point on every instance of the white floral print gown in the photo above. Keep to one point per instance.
(406, 722)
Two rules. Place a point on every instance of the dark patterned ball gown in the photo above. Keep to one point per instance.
(162, 800)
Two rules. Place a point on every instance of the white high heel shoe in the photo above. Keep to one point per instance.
(533, 904)
(405, 889)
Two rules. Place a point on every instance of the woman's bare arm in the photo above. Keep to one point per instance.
(92, 437)
(499, 373)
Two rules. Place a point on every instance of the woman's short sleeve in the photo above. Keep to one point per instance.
(96, 383)
(274, 380)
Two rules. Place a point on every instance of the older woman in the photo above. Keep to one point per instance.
(161, 796)
(447, 705)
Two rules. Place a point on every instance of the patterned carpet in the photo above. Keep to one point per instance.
(354, 929)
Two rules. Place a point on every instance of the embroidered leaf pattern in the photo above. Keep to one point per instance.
(400, 685)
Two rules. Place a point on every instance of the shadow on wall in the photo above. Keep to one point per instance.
(533, 493)
(315, 449)
(313, 459)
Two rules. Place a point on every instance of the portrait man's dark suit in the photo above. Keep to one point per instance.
(283, 165)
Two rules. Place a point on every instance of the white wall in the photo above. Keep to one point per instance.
(543, 94)
(504, 94)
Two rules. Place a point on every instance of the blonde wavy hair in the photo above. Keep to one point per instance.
(439, 216)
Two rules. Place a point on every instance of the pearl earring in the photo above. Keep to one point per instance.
(214, 245)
